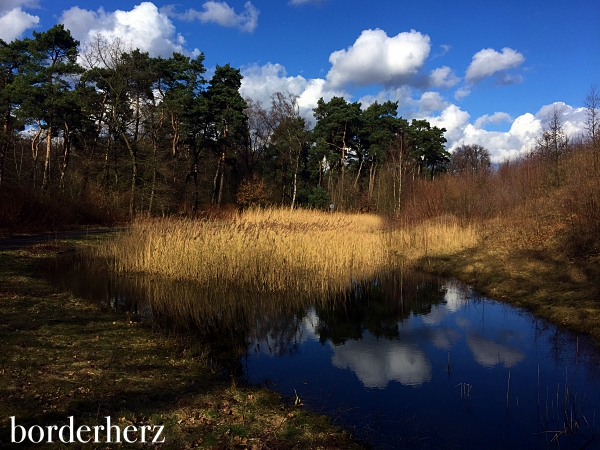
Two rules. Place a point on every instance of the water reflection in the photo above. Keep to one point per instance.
(390, 358)
(489, 353)
(376, 362)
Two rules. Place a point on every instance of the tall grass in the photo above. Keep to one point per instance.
(277, 250)
(236, 271)
(441, 236)
(266, 251)
(258, 250)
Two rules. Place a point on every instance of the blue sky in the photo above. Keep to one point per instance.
(488, 71)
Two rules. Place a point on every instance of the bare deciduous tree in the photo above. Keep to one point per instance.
(472, 159)
(553, 142)
(592, 113)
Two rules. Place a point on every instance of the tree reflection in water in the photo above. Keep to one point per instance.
(379, 350)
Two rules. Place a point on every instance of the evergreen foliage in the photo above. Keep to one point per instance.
(151, 135)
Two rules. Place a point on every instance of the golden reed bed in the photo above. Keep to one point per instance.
(276, 250)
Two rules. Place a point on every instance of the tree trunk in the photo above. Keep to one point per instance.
(372, 171)
(133, 183)
(174, 144)
(400, 180)
(153, 185)
(320, 171)
(133, 155)
(65, 157)
(46, 178)
(295, 181)
(219, 180)
(216, 181)
(358, 174)
(107, 161)
(155, 140)
(34, 155)
(222, 180)
(137, 118)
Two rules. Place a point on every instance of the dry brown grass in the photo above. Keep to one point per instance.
(268, 250)
(442, 236)
(275, 250)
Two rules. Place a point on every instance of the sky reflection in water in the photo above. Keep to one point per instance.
(463, 371)
(411, 362)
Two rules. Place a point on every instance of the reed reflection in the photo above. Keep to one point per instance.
(402, 339)
(277, 322)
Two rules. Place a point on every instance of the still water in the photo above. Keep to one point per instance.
(404, 361)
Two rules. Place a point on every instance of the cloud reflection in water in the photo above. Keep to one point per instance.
(489, 353)
(377, 362)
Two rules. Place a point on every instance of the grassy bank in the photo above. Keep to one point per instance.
(529, 264)
(62, 356)
(545, 278)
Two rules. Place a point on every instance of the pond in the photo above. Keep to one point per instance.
(404, 361)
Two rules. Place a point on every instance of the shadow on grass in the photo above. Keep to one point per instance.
(62, 356)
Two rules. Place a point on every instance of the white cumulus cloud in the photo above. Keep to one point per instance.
(461, 93)
(488, 62)
(144, 27)
(377, 362)
(429, 102)
(505, 145)
(453, 119)
(376, 58)
(511, 144)
(501, 145)
(489, 353)
(261, 82)
(496, 118)
(220, 13)
(443, 77)
(14, 20)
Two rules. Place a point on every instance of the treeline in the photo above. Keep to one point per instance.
(144, 135)
(118, 133)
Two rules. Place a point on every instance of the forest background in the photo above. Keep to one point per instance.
(151, 135)
(108, 132)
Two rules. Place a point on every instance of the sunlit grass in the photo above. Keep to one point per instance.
(277, 250)
(442, 236)
(260, 250)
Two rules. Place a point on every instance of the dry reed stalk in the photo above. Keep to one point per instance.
(437, 237)
(262, 250)
(278, 250)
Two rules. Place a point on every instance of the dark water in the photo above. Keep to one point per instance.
(405, 361)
